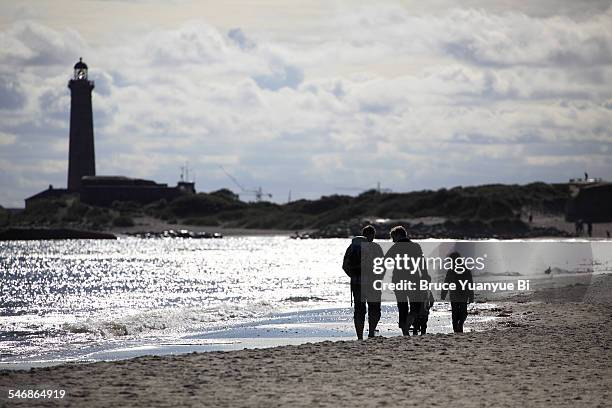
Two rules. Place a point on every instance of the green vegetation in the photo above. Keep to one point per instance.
(496, 205)
(66, 211)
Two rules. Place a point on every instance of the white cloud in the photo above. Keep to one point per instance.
(463, 96)
(30, 43)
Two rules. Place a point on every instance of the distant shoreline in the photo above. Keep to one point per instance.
(542, 227)
(150, 224)
(34, 234)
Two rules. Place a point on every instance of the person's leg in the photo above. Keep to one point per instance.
(462, 315)
(424, 325)
(415, 310)
(418, 325)
(402, 309)
(415, 327)
(359, 326)
(373, 317)
(359, 311)
(455, 316)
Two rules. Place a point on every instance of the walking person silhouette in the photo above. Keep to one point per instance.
(357, 264)
(460, 296)
(409, 301)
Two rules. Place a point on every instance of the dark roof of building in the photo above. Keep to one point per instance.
(49, 193)
(116, 181)
(80, 64)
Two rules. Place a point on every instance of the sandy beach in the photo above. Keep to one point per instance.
(366, 171)
(552, 349)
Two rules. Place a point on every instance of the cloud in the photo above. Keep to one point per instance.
(414, 100)
(11, 94)
(515, 39)
(480, 37)
(238, 36)
(30, 43)
(281, 76)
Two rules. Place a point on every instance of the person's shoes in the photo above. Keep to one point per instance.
(406, 332)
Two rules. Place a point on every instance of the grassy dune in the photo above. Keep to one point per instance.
(490, 209)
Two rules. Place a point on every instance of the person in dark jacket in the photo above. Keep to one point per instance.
(409, 302)
(420, 322)
(357, 263)
(459, 297)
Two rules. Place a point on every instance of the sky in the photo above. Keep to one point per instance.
(312, 97)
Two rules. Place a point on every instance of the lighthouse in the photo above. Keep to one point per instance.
(81, 156)
(82, 180)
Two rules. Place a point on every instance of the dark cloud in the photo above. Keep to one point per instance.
(484, 139)
(12, 95)
(103, 82)
(238, 36)
(376, 108)
(280, 77)
(587, 147)
(515, 39)
(55, 104)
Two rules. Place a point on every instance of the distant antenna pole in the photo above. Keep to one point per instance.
(289, 198)
(182, 173)
(186, 171)
(378, 186)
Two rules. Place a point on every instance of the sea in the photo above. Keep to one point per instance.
(79, 301)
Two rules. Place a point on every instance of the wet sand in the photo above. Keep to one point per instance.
(551, 348)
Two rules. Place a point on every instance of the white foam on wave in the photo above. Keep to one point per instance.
(169, 321)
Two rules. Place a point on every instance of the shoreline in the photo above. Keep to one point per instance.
(544, 227)
(308, 325)
(553, 350)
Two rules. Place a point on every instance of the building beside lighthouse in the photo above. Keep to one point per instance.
(82, 179)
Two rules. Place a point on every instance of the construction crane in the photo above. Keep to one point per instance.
(258, 192)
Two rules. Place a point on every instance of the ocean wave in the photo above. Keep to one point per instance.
(104, 329)
(168, 321)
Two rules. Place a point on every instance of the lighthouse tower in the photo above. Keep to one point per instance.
(81, 157)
